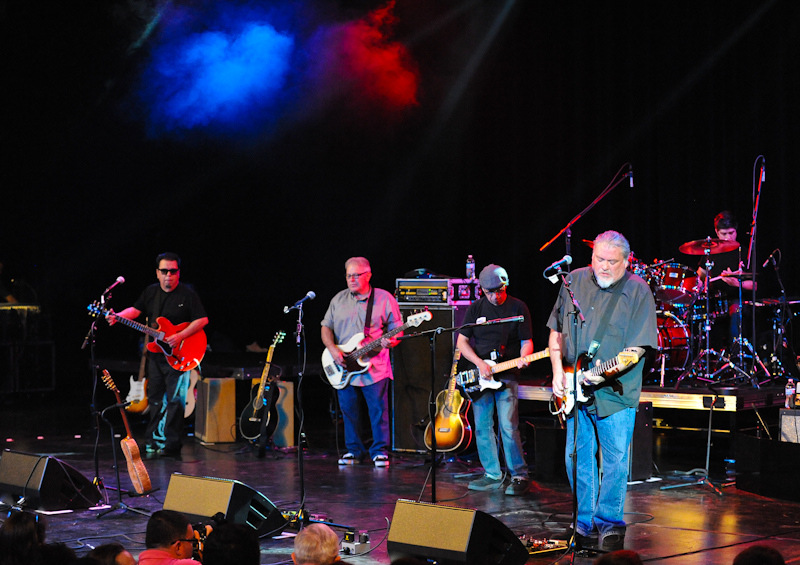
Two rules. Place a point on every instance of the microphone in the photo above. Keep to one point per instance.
(763, 170)
(565, 260)
(630, 174)
(119, 280)
(310, 295)
(771, 255)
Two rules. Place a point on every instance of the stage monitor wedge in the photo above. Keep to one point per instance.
(200, 498)
(45, 483)
(451, 535)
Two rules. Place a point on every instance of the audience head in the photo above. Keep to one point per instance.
(232, 544)
(21, 536)
(759, 555)
(316, 544)
(172, 532)
(112, 554)
(620, 557)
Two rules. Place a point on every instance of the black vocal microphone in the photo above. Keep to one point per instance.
(565, 260)
(630, 174)
(310, 295)
(763, 170)
(503, 320)
(771, 255)
(119, 280)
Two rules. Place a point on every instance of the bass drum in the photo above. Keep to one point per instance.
(673, 343)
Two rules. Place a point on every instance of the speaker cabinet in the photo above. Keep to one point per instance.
(45, 482)
(411, 365)
(215, 421)
(640, 451)
(200, 498)
(789, 421)
(450, 535)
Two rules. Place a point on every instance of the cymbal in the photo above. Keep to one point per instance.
(713, 244)
(589, 243)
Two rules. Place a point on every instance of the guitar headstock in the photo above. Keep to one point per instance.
(627, 358)
(96, 309)
(415, 320)
(278, 338)
(109, 382)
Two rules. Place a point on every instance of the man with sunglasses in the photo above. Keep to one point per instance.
(498, 342)
(344, 319)
(166, 386)
(169, 540)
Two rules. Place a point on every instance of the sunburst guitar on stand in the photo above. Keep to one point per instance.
(471, 380)
(264, 403)
(609, 370)
(451, 424)
(136, 469)
(355, 353)
(184, 357)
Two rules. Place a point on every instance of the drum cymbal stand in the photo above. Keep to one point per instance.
(705, 354)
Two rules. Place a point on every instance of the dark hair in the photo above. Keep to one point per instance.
(232, 544)
(164, 528)
(725, 220)
(21, 536)
(759, 555)
(106, 554)
(168, 256)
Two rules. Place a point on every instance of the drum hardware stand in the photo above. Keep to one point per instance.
(706, 353)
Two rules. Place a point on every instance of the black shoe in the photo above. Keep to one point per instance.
(581, 541)
(612, 541)
(518, 486)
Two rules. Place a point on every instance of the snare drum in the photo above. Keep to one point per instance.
(673, 342)
(676, 284)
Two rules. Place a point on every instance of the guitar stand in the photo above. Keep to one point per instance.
(119, 505)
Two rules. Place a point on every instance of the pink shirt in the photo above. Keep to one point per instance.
(162, 557)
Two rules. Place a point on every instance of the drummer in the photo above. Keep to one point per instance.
(724, 292)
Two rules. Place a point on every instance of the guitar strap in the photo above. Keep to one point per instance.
(612, 304)
(368, 318)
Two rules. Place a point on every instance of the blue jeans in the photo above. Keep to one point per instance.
(601, 505)
(377, 398)
(506, 401)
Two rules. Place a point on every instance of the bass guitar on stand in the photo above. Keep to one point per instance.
(354, 358)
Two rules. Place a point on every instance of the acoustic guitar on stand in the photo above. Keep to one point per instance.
(136, 469)
(264, 401)
(471, 380)
(184, 357)
(355, 353)
(451, 424)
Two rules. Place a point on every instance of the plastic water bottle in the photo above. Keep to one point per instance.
(790, 390)
(470, 267)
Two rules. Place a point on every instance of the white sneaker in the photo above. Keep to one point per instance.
(348, 459)
(381, 460)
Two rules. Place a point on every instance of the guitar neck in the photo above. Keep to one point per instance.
(512, 363)
(155, 334)
(265, 372)
(453, 372)
(358, 353)
(122, 411)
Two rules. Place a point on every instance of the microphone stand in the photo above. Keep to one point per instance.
(90, 340)
(751, 254)
(432, 397)
(606, 191)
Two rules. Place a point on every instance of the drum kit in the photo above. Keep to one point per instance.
(686, 311)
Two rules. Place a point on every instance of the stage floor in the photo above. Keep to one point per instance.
(690, 525)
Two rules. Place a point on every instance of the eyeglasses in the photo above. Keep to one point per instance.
(168, 271)
(193, 541)
(356, 276)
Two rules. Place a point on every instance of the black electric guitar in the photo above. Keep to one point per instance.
(260, 415)
(610, 369)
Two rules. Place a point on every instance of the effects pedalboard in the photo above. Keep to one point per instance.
(540, 546)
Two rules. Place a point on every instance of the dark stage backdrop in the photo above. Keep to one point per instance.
(525, 112)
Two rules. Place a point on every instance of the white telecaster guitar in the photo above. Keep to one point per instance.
(338, 376)
(471, 380)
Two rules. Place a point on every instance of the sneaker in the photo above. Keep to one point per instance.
(349, 459)
(486, 483)
(381, 460)
(150, 447)
(518, 486)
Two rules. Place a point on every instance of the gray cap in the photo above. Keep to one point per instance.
(493, 276)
